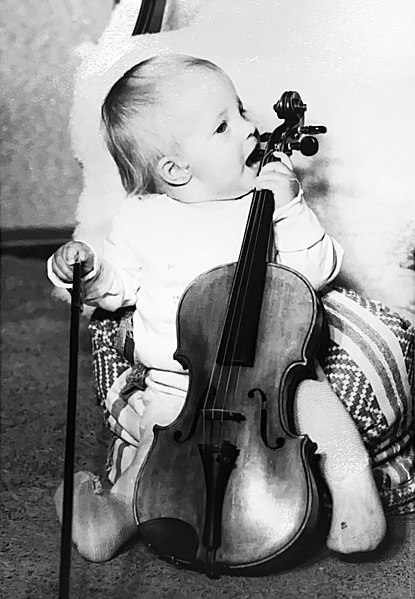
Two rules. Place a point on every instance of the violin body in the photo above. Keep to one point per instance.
(229, 487)
(264, 503)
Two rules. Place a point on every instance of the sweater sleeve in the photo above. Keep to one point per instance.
(302, 243)
(116, 277)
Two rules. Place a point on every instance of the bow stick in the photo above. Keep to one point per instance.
(66, 533)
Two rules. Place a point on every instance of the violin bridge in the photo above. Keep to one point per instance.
(221, 415)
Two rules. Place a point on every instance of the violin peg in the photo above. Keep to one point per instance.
(312, 129)
(308, 145)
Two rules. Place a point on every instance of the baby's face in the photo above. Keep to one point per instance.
(214, 135)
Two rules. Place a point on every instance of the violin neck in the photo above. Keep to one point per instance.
(238, 342)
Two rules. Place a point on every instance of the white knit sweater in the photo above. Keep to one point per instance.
(158, 245)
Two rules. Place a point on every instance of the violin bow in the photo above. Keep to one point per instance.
(66, 532)
(149, 20)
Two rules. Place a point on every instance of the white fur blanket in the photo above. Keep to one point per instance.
(353, 63)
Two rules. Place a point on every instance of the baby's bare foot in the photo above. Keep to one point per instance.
(102, 522)
(358, 520)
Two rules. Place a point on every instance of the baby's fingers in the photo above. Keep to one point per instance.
(282, 183)
(284, 159)
(279, 166)
(66, 256)
(74, 251)
(61, 268)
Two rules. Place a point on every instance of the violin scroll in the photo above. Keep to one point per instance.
(290, 106)
(293, 135)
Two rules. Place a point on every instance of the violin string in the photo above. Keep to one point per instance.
(224, 373)
(249, 268)
(218, 371)
(246, 267)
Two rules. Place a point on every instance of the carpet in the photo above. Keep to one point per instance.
(34, 367)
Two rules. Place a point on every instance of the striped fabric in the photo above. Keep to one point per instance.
(117, 384)
(369, 363)
(120, 456)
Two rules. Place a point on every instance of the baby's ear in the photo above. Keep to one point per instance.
(174, 171)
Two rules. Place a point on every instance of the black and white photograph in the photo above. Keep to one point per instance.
(207, 299)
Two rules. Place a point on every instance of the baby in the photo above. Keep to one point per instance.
(187, 156)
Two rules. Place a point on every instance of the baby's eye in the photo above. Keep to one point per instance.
(222, 127)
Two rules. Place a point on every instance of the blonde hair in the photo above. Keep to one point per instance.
(129, 115)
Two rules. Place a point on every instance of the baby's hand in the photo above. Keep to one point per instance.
(64, 259)
(280, 178)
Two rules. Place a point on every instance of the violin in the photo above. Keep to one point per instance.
(229, 487)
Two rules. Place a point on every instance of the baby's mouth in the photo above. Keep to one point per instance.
(255, 156)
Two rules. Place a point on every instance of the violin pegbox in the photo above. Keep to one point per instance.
(293, 134)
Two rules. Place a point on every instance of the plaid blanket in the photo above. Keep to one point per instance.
(369, 362)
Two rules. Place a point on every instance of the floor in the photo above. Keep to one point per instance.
(34, 365)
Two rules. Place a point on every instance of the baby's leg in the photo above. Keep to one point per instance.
(104, 520)
(358, 521)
